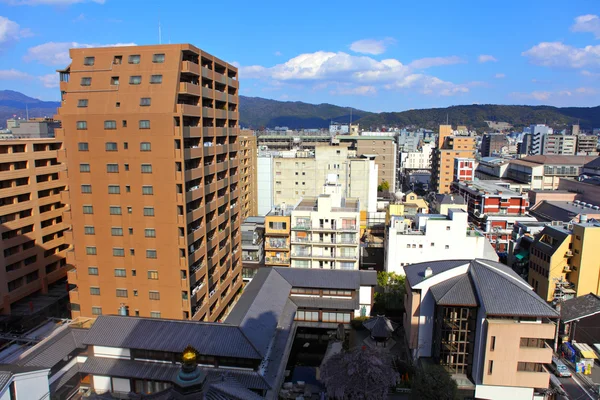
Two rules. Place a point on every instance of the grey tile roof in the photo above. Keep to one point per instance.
(64, 378)
(506, 294)
(8, 370)
(281, 344)
(228, 388)
(4, 378)
(415, 273)
(380, 326)
(168, 335)
(327, 278)
(457, 291)
(559, 210)
(579, 307)
(259, 308)
(326, 302)
(54, 348)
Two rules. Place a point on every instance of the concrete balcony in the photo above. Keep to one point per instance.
(234, 162)
(208, 112)
(537, 355)
(192, 152)
(306, 255)
(222, 114)
(222, 183)
(532, 379)
(233, 82)
(188, 109)
(349, 257)
(193, 215)
(195, 194)
(72, 276)
(207, 92)
(210, 169)
(221, 96)
(191, 131)
(221, 148)
(233, 115)
(212, 241)
(190, 67)
(210, 187)
(196, 234)
(220, 78)
(233, 99)
(207, 73)
(189, 88)
(208, 132)
(277, 261)
(209, 151)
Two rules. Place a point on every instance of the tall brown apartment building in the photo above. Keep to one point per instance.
(384, 150)
(248, 173)
(448, 148)
(33, 247)
(151, 134)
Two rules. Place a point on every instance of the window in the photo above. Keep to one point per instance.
(154, 314)
(114, 80)
(111, 146)
(493, 343)
(115, 210)
(150, 253)
(92, 270)
(114, 189)
(154, 295)
(121, 292)
(146, 168)
(120, 272)
(89, 230)
(112, 168)
(145, 101)
(87, 81)
(84, 167)
(145, 146)
(128, 188)
(110, 124)
(83, 146)
(135, 80)
(150, 232)
(156, 79)
(530, 367)
(95, 291)
(81, 125)
(126, 166)
(134, 59)
(132, 252)
(116, 231)
(447, 247)
(88, 61)
(118, 252)
(129, 209)
(88, 209)
(153, 275)
(147, 190)
(96, 310)
(86, 188)
(144, 124)
(82, 103)
(158, 58)
(148, 211)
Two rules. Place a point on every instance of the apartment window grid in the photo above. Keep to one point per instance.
(148, 211)
(116, 231)
(84, 167)
(150, 233)
(134, 59)
(147, 190)
(156, 79)
(92, 270)
(121, 292)
(135, 80)
(82, 103)
(89, 230)
(114, 189)
(154, 295)
(83, 146)
(88, 209)
(151, 254)
(110, 124)
(94, 290)
(96, 310)
(454, 343)
(158, 58)
(145, 146)
(81, 125)
(112, 168)
(145, 101)
(118, 252)
(115, 210)
(154, 314)
(86, 189)
(120, 273)
(144, 124)
(153, 275)
(146, 168)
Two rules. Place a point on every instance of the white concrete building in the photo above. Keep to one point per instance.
(538, 132)
(325, 231)
(433, 237)
(265, 183)
(418, 159)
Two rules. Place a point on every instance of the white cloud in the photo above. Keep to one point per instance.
(486, 58)
(500, 76)
(10, 30)
(590, 74)
(49, 2)
(587, 23)
(428, 62)
(359, 74)
(49, 80)
(13, 74)
(79, 18)
(371, 46)
(557, 54)
(556, 97)
(356, 91)
(57, 53)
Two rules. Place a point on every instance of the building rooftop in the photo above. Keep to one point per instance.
(348, 204)
(579, 307)
(559, 159)
(494, 188)
(492, 285)
(551, 210)
(255, 220)
(283, 210)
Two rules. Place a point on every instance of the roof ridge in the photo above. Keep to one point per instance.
(459, 278)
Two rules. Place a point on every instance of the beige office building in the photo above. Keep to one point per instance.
(151, 134)
(248, 174)
(384, 150)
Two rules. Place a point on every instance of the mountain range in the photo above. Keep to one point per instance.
(258, 113)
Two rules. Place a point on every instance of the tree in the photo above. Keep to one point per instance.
(362, 373)
(384, 186)
(390, 292)
(433, 382)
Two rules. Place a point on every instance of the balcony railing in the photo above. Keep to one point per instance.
(277, 260)
(302, 227)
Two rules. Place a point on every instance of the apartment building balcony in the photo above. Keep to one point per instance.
(233, 146)
(349, 257)
(188, 109)
(270, 245)
(232, 115)
(74, 295)
(232, 98)
(196, 233)
(207, 92)
(208, 112)
(221, 96)
(200, 309)
(347, 242)
(190, 68)
(532, 379)
(302, 227)
(208, 132)
(542, 355)
(189, 131)
(232, 82)
(220, 78)
(347, 228)
(223, 165)
(72, 276)
(221, 114)
(300, 240)
(194, 194)
(233, 162)
(192, 152)
(277, 260)
(210, 187)
(189, 88)
(198, 273)
(207, 73)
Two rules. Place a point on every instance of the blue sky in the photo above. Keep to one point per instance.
(374, 56)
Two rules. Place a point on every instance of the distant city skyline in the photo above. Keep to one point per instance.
(390, 58)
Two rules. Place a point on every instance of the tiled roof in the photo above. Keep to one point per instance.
(327, 302)
(4, 378)
(415, 273)
(380, 326)
(327, 278)
(457, 291)
(64, 378)
(150, 334)
(579, 307)
(259, 308)
(560, 159)
(53, 349)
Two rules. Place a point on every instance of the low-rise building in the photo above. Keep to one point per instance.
(565, 211)
(587, 145)
(557, 144)
(493, 209)
(243, 357)
(441, 203)
(253, 256)
(493, 144)
(325, 231)
(430, 237)
(464, 169)
(483, 323)
(566, 253)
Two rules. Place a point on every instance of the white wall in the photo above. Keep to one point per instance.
(265, 185)
(503, 392)
(101, 383)
(365, 299)
(121, 385)
(112, 352)
(32, 385)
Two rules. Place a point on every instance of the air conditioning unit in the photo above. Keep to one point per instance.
(569, 253)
